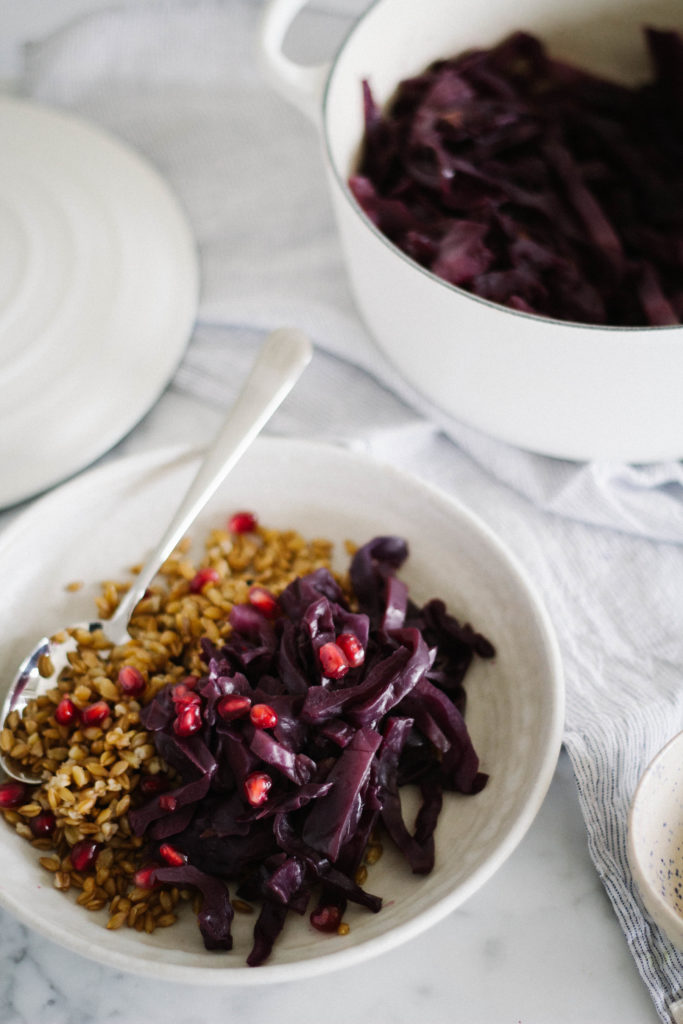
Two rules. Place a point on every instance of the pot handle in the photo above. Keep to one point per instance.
(300, 84)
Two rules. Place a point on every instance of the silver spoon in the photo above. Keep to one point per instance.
(279, 364)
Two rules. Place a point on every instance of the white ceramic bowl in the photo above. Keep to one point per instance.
(573, 391)
(515, 702)
(655, 839)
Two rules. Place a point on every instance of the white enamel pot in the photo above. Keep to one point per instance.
(566, 390)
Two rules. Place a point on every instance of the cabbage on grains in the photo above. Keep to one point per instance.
(286, 804)
(248, 745)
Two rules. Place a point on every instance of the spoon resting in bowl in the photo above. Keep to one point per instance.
(279, 364)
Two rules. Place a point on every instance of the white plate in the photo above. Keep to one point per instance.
(98, 294)
(98, 525)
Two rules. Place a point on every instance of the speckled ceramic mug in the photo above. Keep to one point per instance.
(655, 839)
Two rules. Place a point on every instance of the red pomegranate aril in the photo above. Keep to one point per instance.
(131, 680)
(263, 716)
(95, 713)
(242, 522)
(352, 648)
(188, 720)
(172, 856)
(152, 785)
(232, 706)
(84, 854)
(144, 876)
(256, 788)
(333, 661)
(202, 578)
(264, 601)
(13, 794)
(183, 695)
(167, 802)
(43, 825)
(326, 918)
(67, 712)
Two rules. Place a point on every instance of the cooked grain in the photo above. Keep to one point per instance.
(90, 776)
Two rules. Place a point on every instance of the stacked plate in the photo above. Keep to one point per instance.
(98, 294)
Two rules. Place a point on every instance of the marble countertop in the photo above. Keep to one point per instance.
(539, 944)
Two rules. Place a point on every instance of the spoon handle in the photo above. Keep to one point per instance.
(280, 362)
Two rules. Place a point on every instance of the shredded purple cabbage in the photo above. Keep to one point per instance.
(336, 758)
(534, 184)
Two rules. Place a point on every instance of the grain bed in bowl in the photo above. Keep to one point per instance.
(254, 733)
(77, 818)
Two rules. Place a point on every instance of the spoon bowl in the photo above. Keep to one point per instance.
(279, 364)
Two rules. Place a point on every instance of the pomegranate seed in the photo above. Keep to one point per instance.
(183, 696)
(66, 712)
(152, 785)
(83, 854)
(188, 720)
(326, 919)
(144, 876)
(167, 802)
(256, 788)
(202, 578)
(43, 824)
(172, 856)
(232, 706)
(266, 602)
(352, 648)
(95, 713)
(242, 522)
(263, 716)
(13, 794)
(131, 680)
(333, 661)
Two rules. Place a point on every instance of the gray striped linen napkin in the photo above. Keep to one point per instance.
(603, 542)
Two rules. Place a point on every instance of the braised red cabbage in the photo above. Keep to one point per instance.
(333, 761)
(535, 184)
